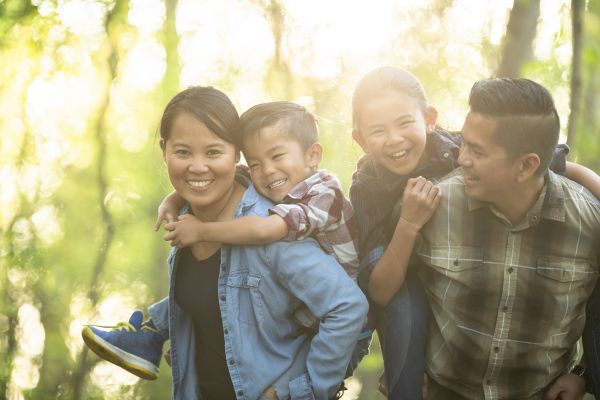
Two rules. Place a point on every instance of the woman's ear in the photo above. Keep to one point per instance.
(314, 155)
(431, 115)
(358, 138)
(163, 147)
(529, 165)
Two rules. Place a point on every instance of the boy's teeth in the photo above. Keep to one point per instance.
(276, 183)
(199, 183)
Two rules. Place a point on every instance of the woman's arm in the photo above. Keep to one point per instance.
(248, 230)
(584, 176)
(420, 200)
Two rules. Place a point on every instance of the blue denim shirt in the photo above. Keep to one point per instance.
(258, 288)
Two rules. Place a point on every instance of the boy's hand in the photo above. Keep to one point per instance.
(187, 230)
(566, 387)
(421, 198)
(168, 209)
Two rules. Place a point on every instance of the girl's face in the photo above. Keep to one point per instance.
(393, 129)
(201, 165)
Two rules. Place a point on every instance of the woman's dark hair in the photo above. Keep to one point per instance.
(210, 106)
(527, 121)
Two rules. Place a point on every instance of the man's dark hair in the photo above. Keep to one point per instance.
(525, 113)
(296, 121)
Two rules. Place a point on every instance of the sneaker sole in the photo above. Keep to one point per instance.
(129, 362)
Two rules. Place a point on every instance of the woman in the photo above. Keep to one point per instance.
(228, 307)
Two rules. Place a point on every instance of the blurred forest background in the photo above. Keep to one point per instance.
(82, 87)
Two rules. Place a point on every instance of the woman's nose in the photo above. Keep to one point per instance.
(198, 165)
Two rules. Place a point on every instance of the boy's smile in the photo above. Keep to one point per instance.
(278, 162)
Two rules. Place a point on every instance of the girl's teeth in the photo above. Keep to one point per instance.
(199, 183)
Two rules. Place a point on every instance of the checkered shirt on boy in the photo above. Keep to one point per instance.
(317, 207)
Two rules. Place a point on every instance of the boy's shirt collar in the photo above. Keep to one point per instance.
(301, 189)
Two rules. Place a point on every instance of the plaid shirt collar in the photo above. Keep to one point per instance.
(301, 189)
(549, 205)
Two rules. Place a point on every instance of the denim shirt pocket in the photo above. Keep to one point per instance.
(301, 389)
(243, 293)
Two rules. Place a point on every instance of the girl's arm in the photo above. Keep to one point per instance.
(169, 209)
(420, 200)
(248, 230)
(584, 176)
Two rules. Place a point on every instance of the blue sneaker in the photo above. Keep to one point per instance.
(130, 345)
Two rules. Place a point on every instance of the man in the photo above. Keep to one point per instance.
(510, 258)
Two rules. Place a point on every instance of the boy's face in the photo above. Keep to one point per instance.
(393, 130)
(278, 162)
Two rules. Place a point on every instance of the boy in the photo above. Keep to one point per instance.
(280, 144)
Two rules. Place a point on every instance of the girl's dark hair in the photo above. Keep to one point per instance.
(210, 106)
(383, 80)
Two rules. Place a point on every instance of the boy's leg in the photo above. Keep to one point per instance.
(591, 342)
(405, 333)
(133, 345)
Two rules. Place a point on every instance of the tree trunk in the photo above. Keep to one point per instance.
(577, 9)
(117, 16)
(518, 41)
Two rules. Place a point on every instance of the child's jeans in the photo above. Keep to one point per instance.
(591, 342)
(405, 323)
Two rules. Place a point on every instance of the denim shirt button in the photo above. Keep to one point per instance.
(231, 362)
(222, 298)
(226, 332)
(240, 392)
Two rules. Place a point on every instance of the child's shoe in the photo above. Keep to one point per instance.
(130, 345)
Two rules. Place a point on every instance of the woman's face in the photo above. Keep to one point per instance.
(201, 165)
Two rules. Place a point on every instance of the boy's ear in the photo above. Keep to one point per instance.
(358, 138)
(314, 155)
(431, 115)
(529, 165)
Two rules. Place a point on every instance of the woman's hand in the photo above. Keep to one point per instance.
(168, 209)
(421, 198)
(185, 231)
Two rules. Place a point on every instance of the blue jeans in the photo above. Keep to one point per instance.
(591, 342)
(405, 333)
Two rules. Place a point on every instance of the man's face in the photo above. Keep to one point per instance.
(490, 174)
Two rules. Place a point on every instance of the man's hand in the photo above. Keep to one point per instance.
(566, 387)
(186, 231)
(270, 394)
(421, 198)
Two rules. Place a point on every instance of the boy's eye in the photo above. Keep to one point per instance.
(253, 166)
(278, 156)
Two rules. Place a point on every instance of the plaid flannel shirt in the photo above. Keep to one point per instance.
(508, 301)
(317, 207)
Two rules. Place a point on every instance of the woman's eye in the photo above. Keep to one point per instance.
(213, 152)
(182, 152)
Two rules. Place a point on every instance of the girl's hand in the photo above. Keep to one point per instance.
(420, 200)
(168, 209)
(185, 231)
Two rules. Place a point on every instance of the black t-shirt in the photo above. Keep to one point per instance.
(196, 284)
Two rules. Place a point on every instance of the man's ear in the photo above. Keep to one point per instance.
(431, 115)
(358, 138)
(529, 165)
(314, 155)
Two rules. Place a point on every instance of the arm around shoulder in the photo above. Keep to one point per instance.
(584, 176)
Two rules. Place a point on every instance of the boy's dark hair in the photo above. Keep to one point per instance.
(210, 106)
(525, 113)
(297, 121)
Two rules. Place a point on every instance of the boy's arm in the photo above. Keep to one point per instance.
(420, 200)
(248, 230)
(169, 209)
(584, 176)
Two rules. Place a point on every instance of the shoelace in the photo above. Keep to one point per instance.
(125, 326)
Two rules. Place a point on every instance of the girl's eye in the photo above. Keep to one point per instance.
(278, 156)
